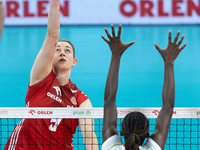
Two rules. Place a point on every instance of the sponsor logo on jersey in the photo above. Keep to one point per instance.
(73, 91)
(198, 113)
(54, 97)
(40, 112)
(58, 91)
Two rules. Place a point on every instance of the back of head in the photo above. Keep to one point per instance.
(135, 128)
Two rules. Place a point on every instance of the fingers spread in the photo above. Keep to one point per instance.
(183, 47)
(108, 34)
(177, 35)
(179, 43)
(157, 47)
(113, 30)
(105, 39)
(119, 31)
(129, 44)
(180, 49)
(170, 37)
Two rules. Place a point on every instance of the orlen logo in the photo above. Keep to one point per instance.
(32, 112)
(156, 112)
(41, 112)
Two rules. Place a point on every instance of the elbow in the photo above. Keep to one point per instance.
(110, 95)
(109, 98)
(169, 107)
(171, 101)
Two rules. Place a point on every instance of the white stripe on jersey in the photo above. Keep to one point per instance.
(14, 136)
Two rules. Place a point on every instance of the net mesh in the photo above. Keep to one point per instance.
(184, 132)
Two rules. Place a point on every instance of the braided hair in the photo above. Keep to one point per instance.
(135, 128)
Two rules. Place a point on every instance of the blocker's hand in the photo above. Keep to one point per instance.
(117, 47)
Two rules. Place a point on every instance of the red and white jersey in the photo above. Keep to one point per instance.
(48, 134)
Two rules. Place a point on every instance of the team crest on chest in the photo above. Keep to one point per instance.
(73, 101)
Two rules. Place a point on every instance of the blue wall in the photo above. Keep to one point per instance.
(141, 71)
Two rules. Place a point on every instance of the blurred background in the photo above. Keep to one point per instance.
(82, 22)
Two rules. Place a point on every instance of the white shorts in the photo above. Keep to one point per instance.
(113, 143)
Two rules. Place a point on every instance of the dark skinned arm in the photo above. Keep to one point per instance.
(110, 110)
(169, 54)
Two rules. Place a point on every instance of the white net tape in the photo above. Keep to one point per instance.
(54, 112)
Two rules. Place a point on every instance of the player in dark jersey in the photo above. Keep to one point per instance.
(1, 17)
(135, 126)
(50, 86)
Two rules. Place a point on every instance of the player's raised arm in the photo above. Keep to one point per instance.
(43, 62)
(169, 54)
(1, 18)
(110, 110)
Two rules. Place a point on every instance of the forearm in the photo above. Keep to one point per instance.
(112, 79)
(169, 54)
(164, 117)
(90, 141)
(1, 18)
(88, 134)
(169, 86)
(54, 19)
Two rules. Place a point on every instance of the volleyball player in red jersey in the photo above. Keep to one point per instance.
(50, 86)
(135, 125)
(1, 17)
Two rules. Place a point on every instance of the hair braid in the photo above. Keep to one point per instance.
(133, 142)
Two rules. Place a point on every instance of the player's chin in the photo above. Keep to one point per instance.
(64, 67)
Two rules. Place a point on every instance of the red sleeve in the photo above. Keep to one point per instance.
(80, 97)
(33, 90)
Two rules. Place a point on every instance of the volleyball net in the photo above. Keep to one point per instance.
(184, 132)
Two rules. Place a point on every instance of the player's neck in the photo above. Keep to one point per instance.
(63, 77)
